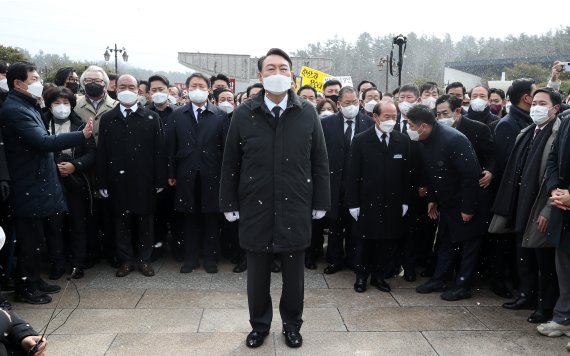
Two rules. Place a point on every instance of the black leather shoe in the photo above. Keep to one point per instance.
(310, 263)
(293, 338)
(124, 270)
(380, 284)
(275, 268)
(211, 269)
(520, 303)
(255, 338)
(360, 285)
(501, 290)
(146, 269)
(5, 304)
(44, 287)
(240, 267)
(333, 268)
(410, 277)
(32, 297)
(56, 273)
(539, 317)
(430, 287)
(77, 273)
(456, 294)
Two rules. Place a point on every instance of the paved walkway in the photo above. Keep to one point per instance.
(206, 314)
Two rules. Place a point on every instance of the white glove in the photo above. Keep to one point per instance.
(354, 212)
(104, 193)
(404, 209)
(232, 216)
(158, 190)
(318, 214)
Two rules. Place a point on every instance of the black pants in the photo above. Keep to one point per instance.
(258, 289)
(202, 229)
(500, 251)
(143, 242)
(53, 232)
(340, 248)
(101, 230)
(78, 203)
(317, 238)
(446, 254)
(374, 257)
(30, 236)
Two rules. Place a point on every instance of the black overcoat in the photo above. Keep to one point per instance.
(131, 162)
(196, 147)
(378, 184)
(275, 173)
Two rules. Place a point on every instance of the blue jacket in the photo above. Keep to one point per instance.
(35, 189)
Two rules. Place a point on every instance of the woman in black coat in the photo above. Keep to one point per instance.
(73, 165)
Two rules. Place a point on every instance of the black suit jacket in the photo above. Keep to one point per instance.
(506, 133)
(338, 154)
(481, 139)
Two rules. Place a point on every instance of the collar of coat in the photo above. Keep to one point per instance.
(106, 100)
(209, 107)
(24, 97)
(258, 102)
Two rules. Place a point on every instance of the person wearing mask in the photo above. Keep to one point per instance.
(308, 93)
(453, 174)
(362, 86)
(408, 96)
(225, 100)
(429, 94)
(331, 89)
(275, 178)
(378, 195)
(326, 108)
(457, 89)
(479, 107)
(497, 102)
(370, 97)
(174, 95)
(112, 86)
(339, 130)
(196, 140)
(66, 77)
(29, 153)
(522, 201)
(131, 170)
(3, 82)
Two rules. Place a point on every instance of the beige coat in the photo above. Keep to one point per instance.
(85, 110)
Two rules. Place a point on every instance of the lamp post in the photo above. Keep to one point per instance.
(384, 62)
(107, 55)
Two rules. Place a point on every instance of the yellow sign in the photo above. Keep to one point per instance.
(313, 77)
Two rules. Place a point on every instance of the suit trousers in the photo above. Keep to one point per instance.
(340, 248)
(258, 289)
(562, 307)
(145, 229)
(374, 257)
(30, 236)
(202, 229)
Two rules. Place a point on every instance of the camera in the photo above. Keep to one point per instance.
(400, 40)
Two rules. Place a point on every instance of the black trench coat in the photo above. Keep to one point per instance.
(130, 160)
(378, 184)
(274, 174)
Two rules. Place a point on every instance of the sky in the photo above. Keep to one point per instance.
(153, 32)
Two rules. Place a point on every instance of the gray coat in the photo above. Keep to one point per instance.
(274, 173)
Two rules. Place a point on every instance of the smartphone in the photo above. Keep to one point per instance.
(565, 66)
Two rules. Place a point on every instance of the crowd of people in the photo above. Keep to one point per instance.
(452, 184)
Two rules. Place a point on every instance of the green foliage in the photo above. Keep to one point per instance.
(11, 54)
(525, 70)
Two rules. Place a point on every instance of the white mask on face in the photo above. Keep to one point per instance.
(226, 106)
(350, 111)
(429, 102)
(4, 85)
(414, 135)
(446, 121)
(465, 107)
(172, 100)
(277, 84)
(159, 98)
(198, 96)
(539, 114)
(478, 104)
(61, 111)
(369, 106)
(142, 100)
(127, 97)
(36, 89)
(405, 107)
(387, 126)
(325, 113)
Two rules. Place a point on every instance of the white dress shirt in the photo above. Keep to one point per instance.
(270, 104)
(123, 108)
(379, 133)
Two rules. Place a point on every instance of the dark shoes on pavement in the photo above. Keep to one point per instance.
(146, 269)
(32, 296)
(431, 286)
(457, 293)
(539, 317)
(333, 268)
(360, 285)
(256, 338)
(124, 270)
(520, 303)
(501, 290)
(380, 284)
(240, 267)
(293, 338)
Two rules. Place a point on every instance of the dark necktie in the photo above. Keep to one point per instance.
(128, 113)
(276, 112)
(199, 116)
(403, 127)
(536, 132)
(348, 132)
(384, 136)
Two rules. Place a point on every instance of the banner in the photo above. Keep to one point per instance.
(313, 77)
(345, 81)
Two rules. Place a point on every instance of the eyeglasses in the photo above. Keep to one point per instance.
(96, 81)
(73, 79)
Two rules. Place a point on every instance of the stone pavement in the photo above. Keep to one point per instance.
(206, 314)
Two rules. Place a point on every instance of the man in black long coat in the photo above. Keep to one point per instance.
(339, 130)
(453, 174)
(275, 177)
(131, 170)
(378, 194)
(196, 136)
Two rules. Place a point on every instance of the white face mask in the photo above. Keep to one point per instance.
(387, 126)
(508, 107)
(159, 98)
(61, 111)
(369, 106)
(142, 100)
(277, 84)
(4, 85)
(325, 113)
(429, 102)
(172, 100)
(127, 97)
(465, 107)
(198, 96)
(405, 107)
(226, 106)
(414, 135)
(539, 114)
(350, 111)
(36, 89)
(446, 121)
(478, 104)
